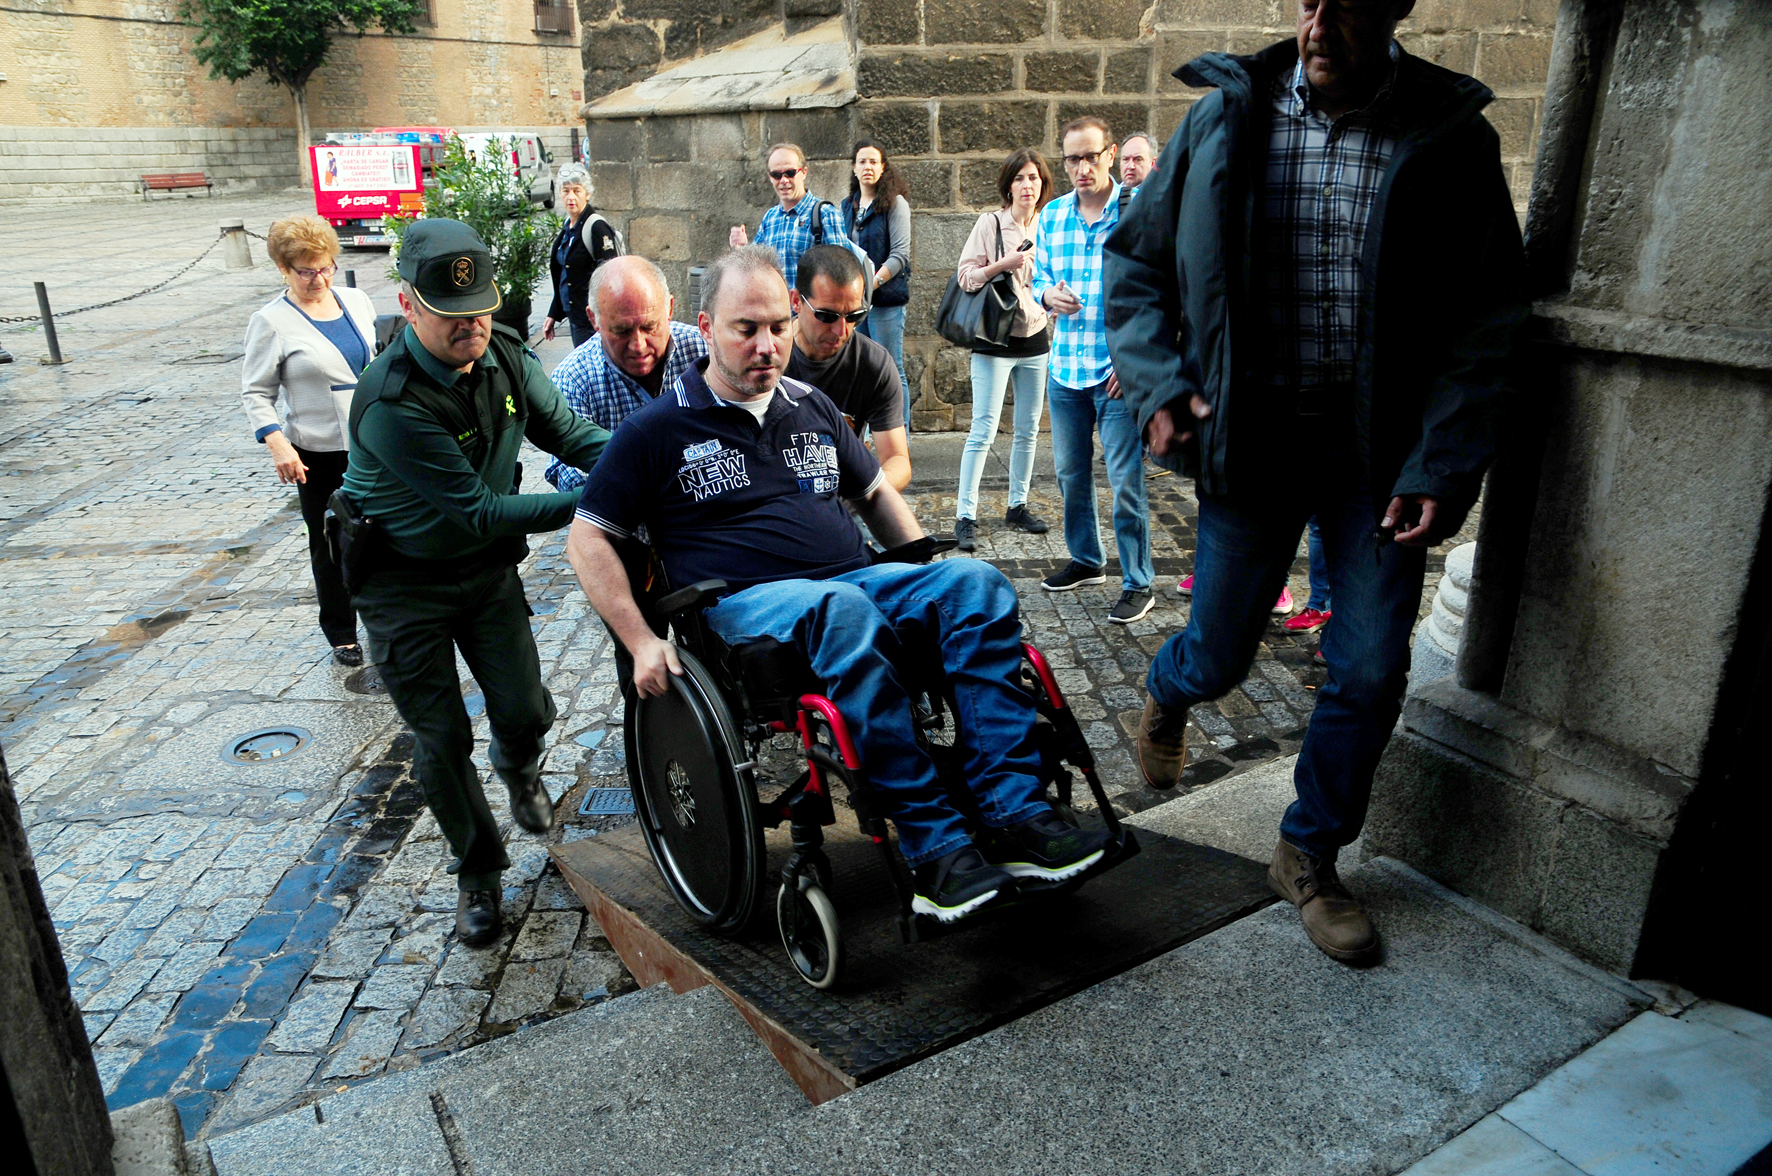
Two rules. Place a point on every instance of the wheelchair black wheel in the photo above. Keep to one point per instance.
(810, 932)
(696, 799)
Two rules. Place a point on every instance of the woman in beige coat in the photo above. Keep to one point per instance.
(1025, 183)
(310, 343)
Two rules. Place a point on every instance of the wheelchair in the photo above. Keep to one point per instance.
(692, 762)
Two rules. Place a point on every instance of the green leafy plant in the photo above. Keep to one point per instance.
(286, 40)
(480, 189)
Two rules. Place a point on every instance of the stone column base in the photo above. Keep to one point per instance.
(1558, 830)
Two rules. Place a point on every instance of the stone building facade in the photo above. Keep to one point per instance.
(96, 92)
(950, 87)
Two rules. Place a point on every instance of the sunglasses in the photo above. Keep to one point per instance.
(831, 316)
(782, 175)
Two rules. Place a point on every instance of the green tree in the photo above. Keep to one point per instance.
(286, 40)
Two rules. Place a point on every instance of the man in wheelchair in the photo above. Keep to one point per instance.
(738, 474)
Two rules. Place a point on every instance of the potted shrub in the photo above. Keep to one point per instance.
(484, 193)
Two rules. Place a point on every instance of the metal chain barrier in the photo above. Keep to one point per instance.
(61, 314)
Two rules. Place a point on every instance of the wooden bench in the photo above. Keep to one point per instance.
(176, 181)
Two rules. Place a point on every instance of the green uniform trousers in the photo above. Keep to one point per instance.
(413, 627)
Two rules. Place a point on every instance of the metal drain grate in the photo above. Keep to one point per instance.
(267, 745)
(607, 802)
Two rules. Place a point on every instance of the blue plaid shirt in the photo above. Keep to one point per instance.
(1069, 250)
(790, 233)
(595, 388)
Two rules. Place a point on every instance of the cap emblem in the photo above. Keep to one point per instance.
(462, 272)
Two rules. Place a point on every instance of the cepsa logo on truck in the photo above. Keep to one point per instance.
(380, 172)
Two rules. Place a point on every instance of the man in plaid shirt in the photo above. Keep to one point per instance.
(1082, 391)
(1336, 344)
(787, 228)
(637, 350)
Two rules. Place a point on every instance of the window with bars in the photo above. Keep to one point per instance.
(553, 16)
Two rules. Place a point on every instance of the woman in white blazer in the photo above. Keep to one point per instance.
(310, 343)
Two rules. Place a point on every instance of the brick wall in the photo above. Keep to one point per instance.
(81, 93)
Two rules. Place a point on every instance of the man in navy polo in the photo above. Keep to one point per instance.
(739, 474)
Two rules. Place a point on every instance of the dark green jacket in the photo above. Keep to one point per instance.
(1444, 294)
(434, 451)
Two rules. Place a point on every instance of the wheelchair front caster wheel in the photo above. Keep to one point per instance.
(810, 932)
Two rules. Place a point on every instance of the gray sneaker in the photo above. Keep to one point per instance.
(1023, 519)
(1132, 607)
(966, 531)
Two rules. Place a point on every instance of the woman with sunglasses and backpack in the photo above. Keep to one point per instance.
(574, 258)
(877, 217)
(1002, 242)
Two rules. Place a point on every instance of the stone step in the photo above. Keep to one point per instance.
(648, 1083)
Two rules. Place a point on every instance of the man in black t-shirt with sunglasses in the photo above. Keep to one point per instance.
(854, 371)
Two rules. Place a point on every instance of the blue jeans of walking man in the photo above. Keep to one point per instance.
(1076, 415)
(1244, 550)
(854, 629)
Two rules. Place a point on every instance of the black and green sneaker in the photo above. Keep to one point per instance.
(1047, 847)
(956, 884)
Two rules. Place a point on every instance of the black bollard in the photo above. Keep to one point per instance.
(55, 348)
(351, 279)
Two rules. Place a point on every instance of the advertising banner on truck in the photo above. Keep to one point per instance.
(367, 182)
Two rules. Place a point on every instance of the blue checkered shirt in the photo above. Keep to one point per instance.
(1069, 250)
(1323, 176)
(595, 388)
(790, 233)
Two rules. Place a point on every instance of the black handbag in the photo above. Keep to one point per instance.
(986, 315)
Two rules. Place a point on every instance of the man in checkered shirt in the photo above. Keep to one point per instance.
(1081, 388)
(787, 228)
(1314, 304)
(637, 351)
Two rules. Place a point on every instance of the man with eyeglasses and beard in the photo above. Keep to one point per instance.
(854, 371)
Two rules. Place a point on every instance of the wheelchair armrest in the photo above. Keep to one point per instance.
(917, 551)
(683, 599)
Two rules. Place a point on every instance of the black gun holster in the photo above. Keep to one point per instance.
(355, 542)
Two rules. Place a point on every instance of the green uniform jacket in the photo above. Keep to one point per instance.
(434, 451)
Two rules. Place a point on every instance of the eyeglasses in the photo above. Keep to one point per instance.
(788, 174)
(308, 275)
(1092, 158)
(830, 316)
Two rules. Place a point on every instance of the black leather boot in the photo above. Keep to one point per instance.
(477, 918)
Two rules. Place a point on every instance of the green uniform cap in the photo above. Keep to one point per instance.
(449, 267)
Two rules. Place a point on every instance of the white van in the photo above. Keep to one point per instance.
(531, 161)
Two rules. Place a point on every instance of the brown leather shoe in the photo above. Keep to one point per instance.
(1333, 918)
(1162, 744)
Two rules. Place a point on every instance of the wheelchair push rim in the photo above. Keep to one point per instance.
(696, 799)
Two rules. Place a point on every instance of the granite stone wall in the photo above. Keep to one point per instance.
(950, 87)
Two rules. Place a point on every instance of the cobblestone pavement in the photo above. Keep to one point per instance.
(241, 933)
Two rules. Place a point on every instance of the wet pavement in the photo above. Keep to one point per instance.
(240, 934)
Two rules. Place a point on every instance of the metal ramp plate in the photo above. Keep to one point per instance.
(897, 1002)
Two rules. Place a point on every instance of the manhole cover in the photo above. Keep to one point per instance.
(365, 681)
(607, 802)
(266, 746)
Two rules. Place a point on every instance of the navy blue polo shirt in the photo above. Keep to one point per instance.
(724, 497)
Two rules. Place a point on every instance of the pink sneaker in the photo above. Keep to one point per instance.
(1186, 586)
(1284, 605)
(1308, 621)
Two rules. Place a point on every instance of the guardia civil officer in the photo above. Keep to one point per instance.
(436, 424)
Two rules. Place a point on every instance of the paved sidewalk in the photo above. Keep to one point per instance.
(242, 935)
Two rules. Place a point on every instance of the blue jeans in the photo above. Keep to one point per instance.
(885, 326)
(1076, 414)
(1244, 550)
(851, 628)
(1319, 570)
(991, 375)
